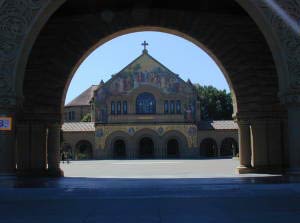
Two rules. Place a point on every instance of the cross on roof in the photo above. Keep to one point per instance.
(145, 44)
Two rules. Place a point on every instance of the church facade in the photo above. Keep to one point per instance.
(147, 111)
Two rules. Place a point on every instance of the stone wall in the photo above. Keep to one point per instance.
(80, 112)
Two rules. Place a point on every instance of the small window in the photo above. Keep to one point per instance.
(178, 107)
(172, 107)
(118, 107)
(71, 115)
(113, 110)
(125, 107)
(166, 107)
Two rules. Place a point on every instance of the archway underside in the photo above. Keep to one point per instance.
(224, 30)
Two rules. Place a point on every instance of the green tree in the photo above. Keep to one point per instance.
(86, 118)
(215, 104)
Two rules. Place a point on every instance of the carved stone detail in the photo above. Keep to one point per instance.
(16, 17)
(288, 36)
(5, 81)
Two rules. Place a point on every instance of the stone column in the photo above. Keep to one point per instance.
(38, 147)
(244, 147)
(259, 145)
(294, 139)
(7, 149)
(23, 147)
(159, 151)
(219, 150)
(275, 137)
(53, 142)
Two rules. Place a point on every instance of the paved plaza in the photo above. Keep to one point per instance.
(205, 168)
(151, 191)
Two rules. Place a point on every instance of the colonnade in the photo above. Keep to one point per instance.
(264, 145)
(31, 148)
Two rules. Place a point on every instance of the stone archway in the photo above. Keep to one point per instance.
(235, 46)
(146, 148)
(119, 149)
(180, 150)
(84, 150)
(152, 140)
(208, 148)
(173, 149)
(125, 142)
(229, 148)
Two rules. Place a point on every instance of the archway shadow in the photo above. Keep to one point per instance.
(141, 184)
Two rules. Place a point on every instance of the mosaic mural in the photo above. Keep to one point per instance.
(145, 70)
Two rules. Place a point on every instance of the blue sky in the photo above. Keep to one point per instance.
(179, 55)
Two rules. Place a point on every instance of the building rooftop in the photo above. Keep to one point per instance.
(218, 125)
(78, 127)
(203, 125)
(84, 98)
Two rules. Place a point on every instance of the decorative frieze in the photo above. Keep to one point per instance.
(16, 16)
(284, 18)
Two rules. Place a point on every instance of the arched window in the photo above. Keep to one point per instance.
(113, 111)
(166, 107)
(145, 104)
(125, 107)
(178, 107)
(172, 107)
(118, 107)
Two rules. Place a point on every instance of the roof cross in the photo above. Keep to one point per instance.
(145, 44)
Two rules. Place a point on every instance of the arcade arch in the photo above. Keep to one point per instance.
(70, 32)
(229, 147)
(83, 150)
(119, 149)
(208, 148)
(173, 148)
(146, 148)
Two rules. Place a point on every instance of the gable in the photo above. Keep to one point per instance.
(145, 70)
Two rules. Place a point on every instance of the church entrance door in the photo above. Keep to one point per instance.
(119, 149)
(173, 149)
(146, 148)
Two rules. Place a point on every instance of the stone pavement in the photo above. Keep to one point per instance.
(205, 168)
(273, 199)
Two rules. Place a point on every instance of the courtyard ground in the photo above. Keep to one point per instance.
(206, 168)
(155, 191)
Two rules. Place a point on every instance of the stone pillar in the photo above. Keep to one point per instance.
(259, 145)
(53, 143)
(7, 149)
(165, 151)
(23, 147)
(219, 150)
(294, 139)
(159, 151)
(31, 149)
(244, 147)
(130, 149)
(38, 147)
(275, 144)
